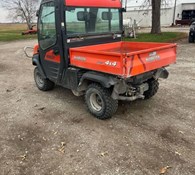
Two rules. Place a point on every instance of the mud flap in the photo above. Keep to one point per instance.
(161, 73)
(36, 62)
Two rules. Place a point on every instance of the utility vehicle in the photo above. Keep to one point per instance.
(192, 33)
(80, 48)
(187, 17)
(32, 31)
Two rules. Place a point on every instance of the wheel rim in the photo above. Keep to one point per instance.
(96, 102)
(39, 80)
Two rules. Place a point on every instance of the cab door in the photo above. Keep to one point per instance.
(50, 54)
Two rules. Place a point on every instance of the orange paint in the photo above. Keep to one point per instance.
(125, 59)
(92, 3)
(50, 56)
(36, 49)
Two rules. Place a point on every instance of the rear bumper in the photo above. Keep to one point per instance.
(136, 86)
(156, 74)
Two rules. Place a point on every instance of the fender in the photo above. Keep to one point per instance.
(36, 62)
(105, 80)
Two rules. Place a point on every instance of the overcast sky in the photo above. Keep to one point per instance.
(4, 13)
(139, 2)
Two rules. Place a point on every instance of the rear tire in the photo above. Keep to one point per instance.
(191, 39)
(42, 84)
(99, 102)
(153, 88)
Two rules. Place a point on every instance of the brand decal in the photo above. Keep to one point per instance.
(100, 62)
(109, 63)
(153, 56)
(79, 58)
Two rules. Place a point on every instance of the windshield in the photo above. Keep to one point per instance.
(92, 20)
(188, 14)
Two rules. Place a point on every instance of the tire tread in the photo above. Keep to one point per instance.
(111, 104)
(153, 89)
(48, 85)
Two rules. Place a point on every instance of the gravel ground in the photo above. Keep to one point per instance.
(45, 133)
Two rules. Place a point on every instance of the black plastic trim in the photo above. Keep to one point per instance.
(36, 62)
(105, 81)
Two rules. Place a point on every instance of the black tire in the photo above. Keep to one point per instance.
(42, 84)
(153, 88)
(191, 39)
(99, 102)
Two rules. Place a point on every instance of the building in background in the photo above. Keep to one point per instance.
(143, 14)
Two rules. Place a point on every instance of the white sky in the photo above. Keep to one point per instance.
(4, 13)
(139, 2)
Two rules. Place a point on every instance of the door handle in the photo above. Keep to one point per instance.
(56, 52)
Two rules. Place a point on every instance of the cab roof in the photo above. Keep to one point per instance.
(94, 3)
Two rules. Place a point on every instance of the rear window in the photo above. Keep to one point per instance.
(92, 20)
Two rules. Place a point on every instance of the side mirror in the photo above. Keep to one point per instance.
(82, 16)
(123, 10)
(37, 13)
(107, 16)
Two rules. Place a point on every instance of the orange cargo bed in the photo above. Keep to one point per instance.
(125, 59)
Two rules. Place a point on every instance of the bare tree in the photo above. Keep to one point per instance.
(156, 13)
(21, 10)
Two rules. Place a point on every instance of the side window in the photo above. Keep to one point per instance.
(101, 24)
(73, 25)
(47, 28)
(115, 22)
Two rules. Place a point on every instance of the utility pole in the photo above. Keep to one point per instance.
(124, 3)
(174, 11)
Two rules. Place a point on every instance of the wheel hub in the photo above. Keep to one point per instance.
(39, 79)
(96, 102)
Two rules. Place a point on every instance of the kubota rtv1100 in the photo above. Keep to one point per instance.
(80, 48)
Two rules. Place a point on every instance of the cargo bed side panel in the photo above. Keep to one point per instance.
(111, 64)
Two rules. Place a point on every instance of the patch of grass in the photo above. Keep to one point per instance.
(163, 37)
(12, 26)
(12, 32)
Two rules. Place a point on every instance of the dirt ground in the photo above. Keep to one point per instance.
(51, 133)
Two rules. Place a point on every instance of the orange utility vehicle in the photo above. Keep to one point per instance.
(81, 48)
(32, 31)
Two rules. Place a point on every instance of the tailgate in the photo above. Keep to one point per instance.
(150, 59)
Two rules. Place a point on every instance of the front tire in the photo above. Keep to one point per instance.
(42, 83)
(99, 102)
(153, 88)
